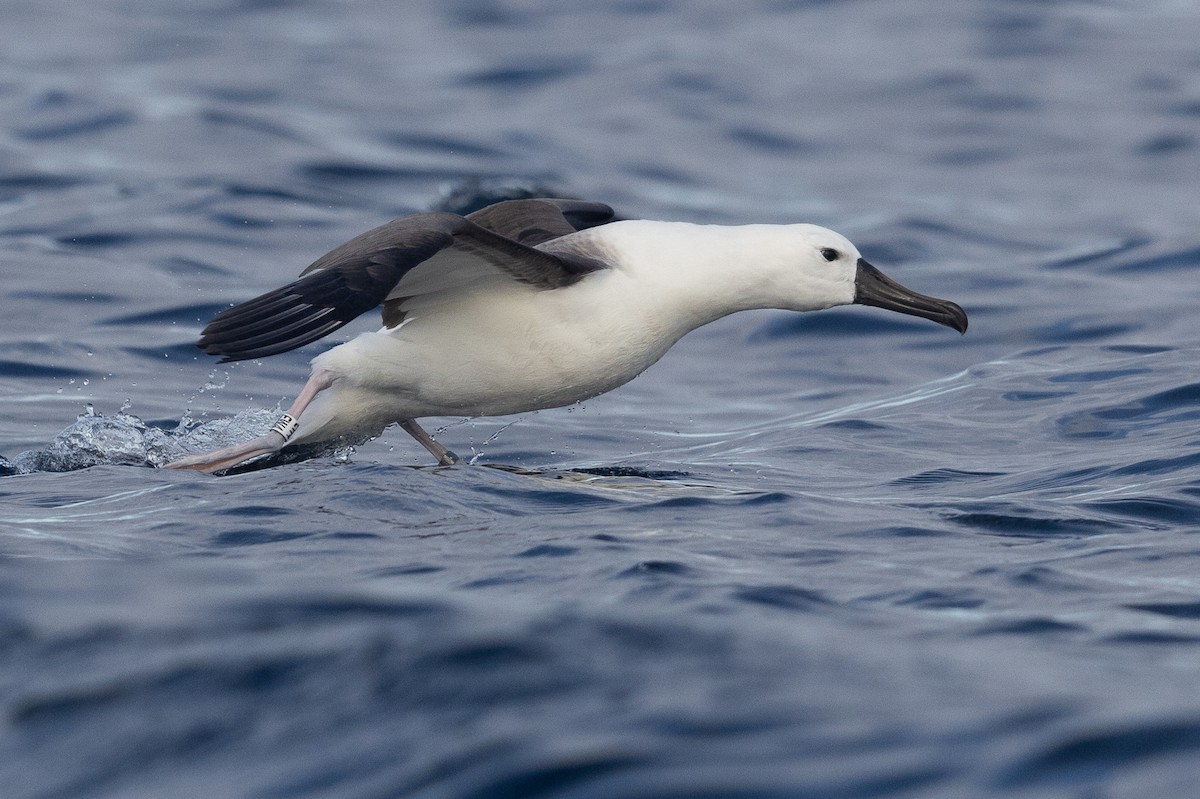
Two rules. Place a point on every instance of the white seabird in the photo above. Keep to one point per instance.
(523, 305)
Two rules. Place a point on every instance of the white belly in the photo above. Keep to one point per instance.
(508, 349)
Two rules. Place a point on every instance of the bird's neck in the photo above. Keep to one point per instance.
(696, 273)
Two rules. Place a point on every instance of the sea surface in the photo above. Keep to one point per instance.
(843, 554)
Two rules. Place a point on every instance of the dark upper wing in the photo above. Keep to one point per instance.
(533, 222)
(363, 272)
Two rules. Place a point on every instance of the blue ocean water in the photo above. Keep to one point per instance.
(844, 554)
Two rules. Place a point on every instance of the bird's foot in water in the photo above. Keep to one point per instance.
(280, 432)
(227, 458)
(444, 456)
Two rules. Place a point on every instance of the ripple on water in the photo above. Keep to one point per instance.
(1030, 625)
(1159, 512)
(1164, 260)
(1101, 749)
(1151, 466)
(26, 369)
(74, 123)
(185, 314)
(1023, 524)
(1172, 610)
(524, 75)
(784, 597)
(15, 183)
(936, 477)
(1101, 253)
(1119, 419)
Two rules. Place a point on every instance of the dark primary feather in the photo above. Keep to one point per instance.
(359, 275)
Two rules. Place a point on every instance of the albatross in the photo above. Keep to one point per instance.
(523, 305)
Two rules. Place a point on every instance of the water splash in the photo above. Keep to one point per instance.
(125, 440)
(477, 452)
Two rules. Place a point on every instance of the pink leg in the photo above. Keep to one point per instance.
(273, 441)
(445, 457)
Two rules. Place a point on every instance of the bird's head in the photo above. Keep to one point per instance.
(811, 267)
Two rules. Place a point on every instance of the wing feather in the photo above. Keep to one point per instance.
(534, 222)
(381, 264)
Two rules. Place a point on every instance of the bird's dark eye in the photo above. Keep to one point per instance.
(830, 254)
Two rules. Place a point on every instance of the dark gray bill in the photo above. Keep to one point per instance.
(872, 287)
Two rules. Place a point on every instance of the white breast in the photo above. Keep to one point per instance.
(507, 350)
